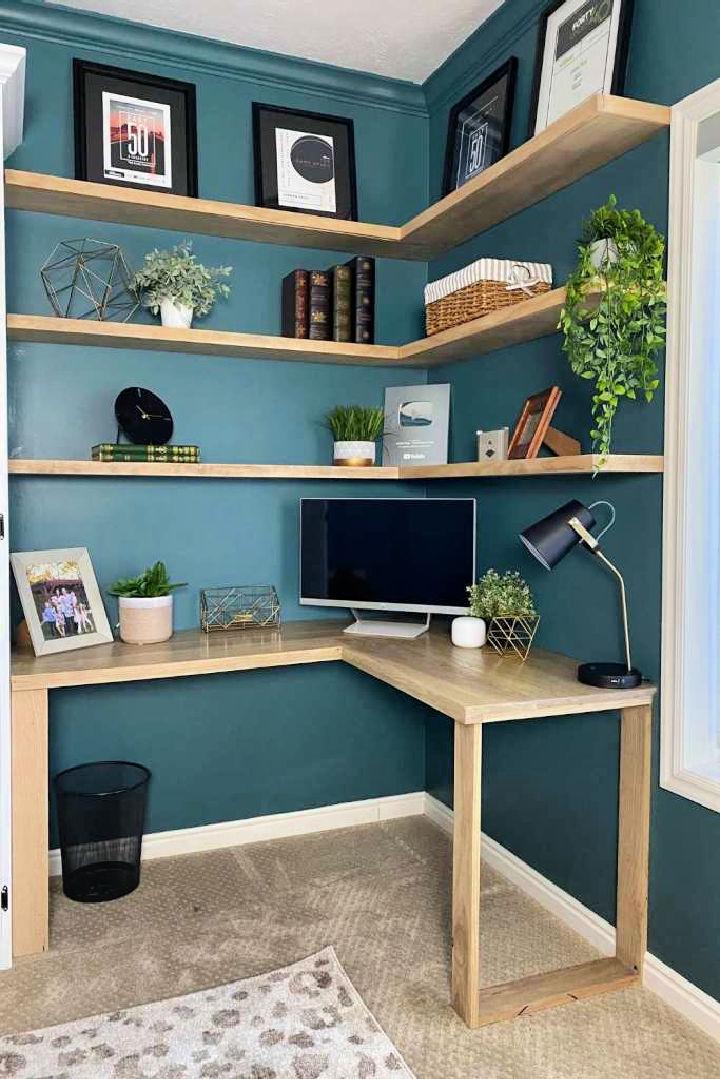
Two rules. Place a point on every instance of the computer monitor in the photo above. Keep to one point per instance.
(411, 555)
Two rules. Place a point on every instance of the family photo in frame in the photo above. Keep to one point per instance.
(60, 599)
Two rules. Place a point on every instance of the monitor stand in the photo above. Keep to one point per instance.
(377, 627)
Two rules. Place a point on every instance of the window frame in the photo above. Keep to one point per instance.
(690, 682)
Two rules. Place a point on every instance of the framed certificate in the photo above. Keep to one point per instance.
(582, 50)
(304, 161)
(479, 127)
(134, 130)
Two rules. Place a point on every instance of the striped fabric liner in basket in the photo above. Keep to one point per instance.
(480, 288)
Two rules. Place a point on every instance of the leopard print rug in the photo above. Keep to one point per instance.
(305, 1021)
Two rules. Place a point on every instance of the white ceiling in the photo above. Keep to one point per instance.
(405, 39)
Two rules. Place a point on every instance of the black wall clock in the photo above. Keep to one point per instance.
(143, 417)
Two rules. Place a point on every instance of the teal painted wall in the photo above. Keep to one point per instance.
(239, 745)
(234, 746)
(550, 786)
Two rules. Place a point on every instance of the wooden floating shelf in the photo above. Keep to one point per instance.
(540, 466)
(582, 464)
(595, 132)
(586, 138)
(133, 335)
(525, 321)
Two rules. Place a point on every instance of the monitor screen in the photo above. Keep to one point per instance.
(405, 554)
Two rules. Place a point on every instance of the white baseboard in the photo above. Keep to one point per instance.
(235, 833)
(676, 991)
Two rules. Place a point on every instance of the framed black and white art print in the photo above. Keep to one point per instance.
(134, 130)
(582, 50)
(479, 127)
(304, 161)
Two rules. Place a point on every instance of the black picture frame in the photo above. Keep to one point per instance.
(267, 119)
(99, 88)
(621, 52)
(506, 73)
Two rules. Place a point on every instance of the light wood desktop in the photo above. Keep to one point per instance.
(471, 687)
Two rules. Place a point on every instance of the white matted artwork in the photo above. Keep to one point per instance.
(305, 170)
(583, 42)
(60, 599)
(416, 425)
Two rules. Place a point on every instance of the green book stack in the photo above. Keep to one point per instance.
(175, 454)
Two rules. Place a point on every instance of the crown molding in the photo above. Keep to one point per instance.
(146, 45)
(472, 60)
(12, 82)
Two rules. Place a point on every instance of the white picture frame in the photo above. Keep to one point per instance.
(582, 50)
(60, 599)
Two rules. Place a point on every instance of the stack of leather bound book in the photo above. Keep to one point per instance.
(169, 454)
(331, 305)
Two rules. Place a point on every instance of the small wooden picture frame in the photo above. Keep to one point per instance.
(533, 424)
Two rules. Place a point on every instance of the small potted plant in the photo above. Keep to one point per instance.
(355, 430)
(175, 284)
(504, 601)
(614, 342)
(145, 605)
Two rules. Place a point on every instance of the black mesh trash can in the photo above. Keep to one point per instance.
(101, 812)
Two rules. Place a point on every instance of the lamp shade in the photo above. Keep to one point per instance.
(550, 539)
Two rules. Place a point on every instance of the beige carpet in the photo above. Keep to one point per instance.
(380, 895)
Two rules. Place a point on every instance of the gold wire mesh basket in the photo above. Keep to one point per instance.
(513, 635)
(238, 607)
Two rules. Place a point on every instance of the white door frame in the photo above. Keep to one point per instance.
(12, 94)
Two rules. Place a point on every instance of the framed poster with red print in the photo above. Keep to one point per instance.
(134, 130)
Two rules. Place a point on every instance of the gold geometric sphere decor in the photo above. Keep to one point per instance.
(89, 279)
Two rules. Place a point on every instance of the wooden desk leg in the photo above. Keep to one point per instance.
(30, 821)
(633, 837)
(466, 873)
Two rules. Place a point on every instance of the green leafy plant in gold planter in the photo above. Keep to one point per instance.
(355, 430)
(615, 342)
(505, 602)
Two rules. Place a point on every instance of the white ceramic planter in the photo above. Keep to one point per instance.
(146, 621)
(176, 314)
(603, 253)
(353, 453)
(468, 632)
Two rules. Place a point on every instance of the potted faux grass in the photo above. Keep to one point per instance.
(355, 430)
(145, 605)
(505, 603)
(179, 287)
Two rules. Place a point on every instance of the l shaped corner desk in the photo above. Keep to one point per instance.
(472, 687)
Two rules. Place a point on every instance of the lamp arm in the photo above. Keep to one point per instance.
(613, 569)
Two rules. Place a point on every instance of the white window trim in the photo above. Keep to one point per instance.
(690, 504)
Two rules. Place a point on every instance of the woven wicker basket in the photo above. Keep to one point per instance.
(481, 288)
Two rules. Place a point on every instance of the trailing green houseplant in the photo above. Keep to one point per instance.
(615, 342)
(145, 605)
(355, 430)
(175, 284)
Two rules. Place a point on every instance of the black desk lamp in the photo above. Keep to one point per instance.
(549, 541)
